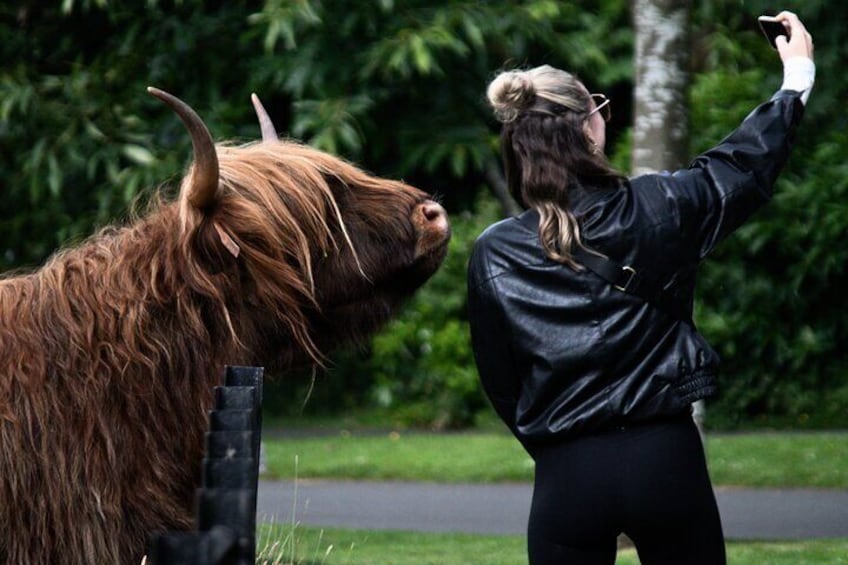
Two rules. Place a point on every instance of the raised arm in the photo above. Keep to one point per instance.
(725, 185)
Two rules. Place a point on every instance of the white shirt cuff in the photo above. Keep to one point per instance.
(799, 74)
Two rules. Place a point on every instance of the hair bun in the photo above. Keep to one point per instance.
(510, 93)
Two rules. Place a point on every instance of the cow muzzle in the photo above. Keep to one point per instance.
(431, 223)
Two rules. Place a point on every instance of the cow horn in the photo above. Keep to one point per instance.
(204, 181)
(269, 133)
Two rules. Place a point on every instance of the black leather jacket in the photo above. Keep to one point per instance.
(561, 352)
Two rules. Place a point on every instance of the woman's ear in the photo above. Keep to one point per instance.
(594, 148)
(587, 131)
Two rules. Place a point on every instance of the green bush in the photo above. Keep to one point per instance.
(399, 89)
(769, 298)
(422, 363)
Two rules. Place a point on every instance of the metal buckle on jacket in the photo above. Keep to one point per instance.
(632, 271)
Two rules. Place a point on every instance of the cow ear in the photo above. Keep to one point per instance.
(269, 133)
(201, 190)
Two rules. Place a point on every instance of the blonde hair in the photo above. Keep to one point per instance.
(546, 151)
(513, 92)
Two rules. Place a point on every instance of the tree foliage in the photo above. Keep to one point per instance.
(398, 86)
(770, 297)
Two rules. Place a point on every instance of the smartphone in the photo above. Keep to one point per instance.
(772, 28)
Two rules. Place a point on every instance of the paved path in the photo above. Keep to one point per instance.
(765, 514)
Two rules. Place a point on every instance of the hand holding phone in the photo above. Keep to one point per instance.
(773, 28)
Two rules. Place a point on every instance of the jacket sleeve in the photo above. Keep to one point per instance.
(490, 343)
(724, 186)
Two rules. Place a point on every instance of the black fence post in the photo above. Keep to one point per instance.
(225, 503)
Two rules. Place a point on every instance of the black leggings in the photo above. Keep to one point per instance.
(648, 481)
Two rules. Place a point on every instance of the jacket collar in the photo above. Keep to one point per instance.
(529, 218)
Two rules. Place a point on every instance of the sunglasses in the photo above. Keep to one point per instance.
(602, 105)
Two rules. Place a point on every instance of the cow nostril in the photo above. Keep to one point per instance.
(432, 211)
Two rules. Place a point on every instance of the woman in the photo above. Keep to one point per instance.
(580, 312)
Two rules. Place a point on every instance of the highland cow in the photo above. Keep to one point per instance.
(272, 254)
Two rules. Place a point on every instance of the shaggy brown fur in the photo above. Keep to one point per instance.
(109, 352)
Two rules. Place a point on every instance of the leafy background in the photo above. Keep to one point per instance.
(398, 86)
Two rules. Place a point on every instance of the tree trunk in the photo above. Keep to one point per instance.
(661, 125)
(661, 113)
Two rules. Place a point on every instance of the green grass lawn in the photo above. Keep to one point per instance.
(306, 546)
(809, 459)
(780, 459)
